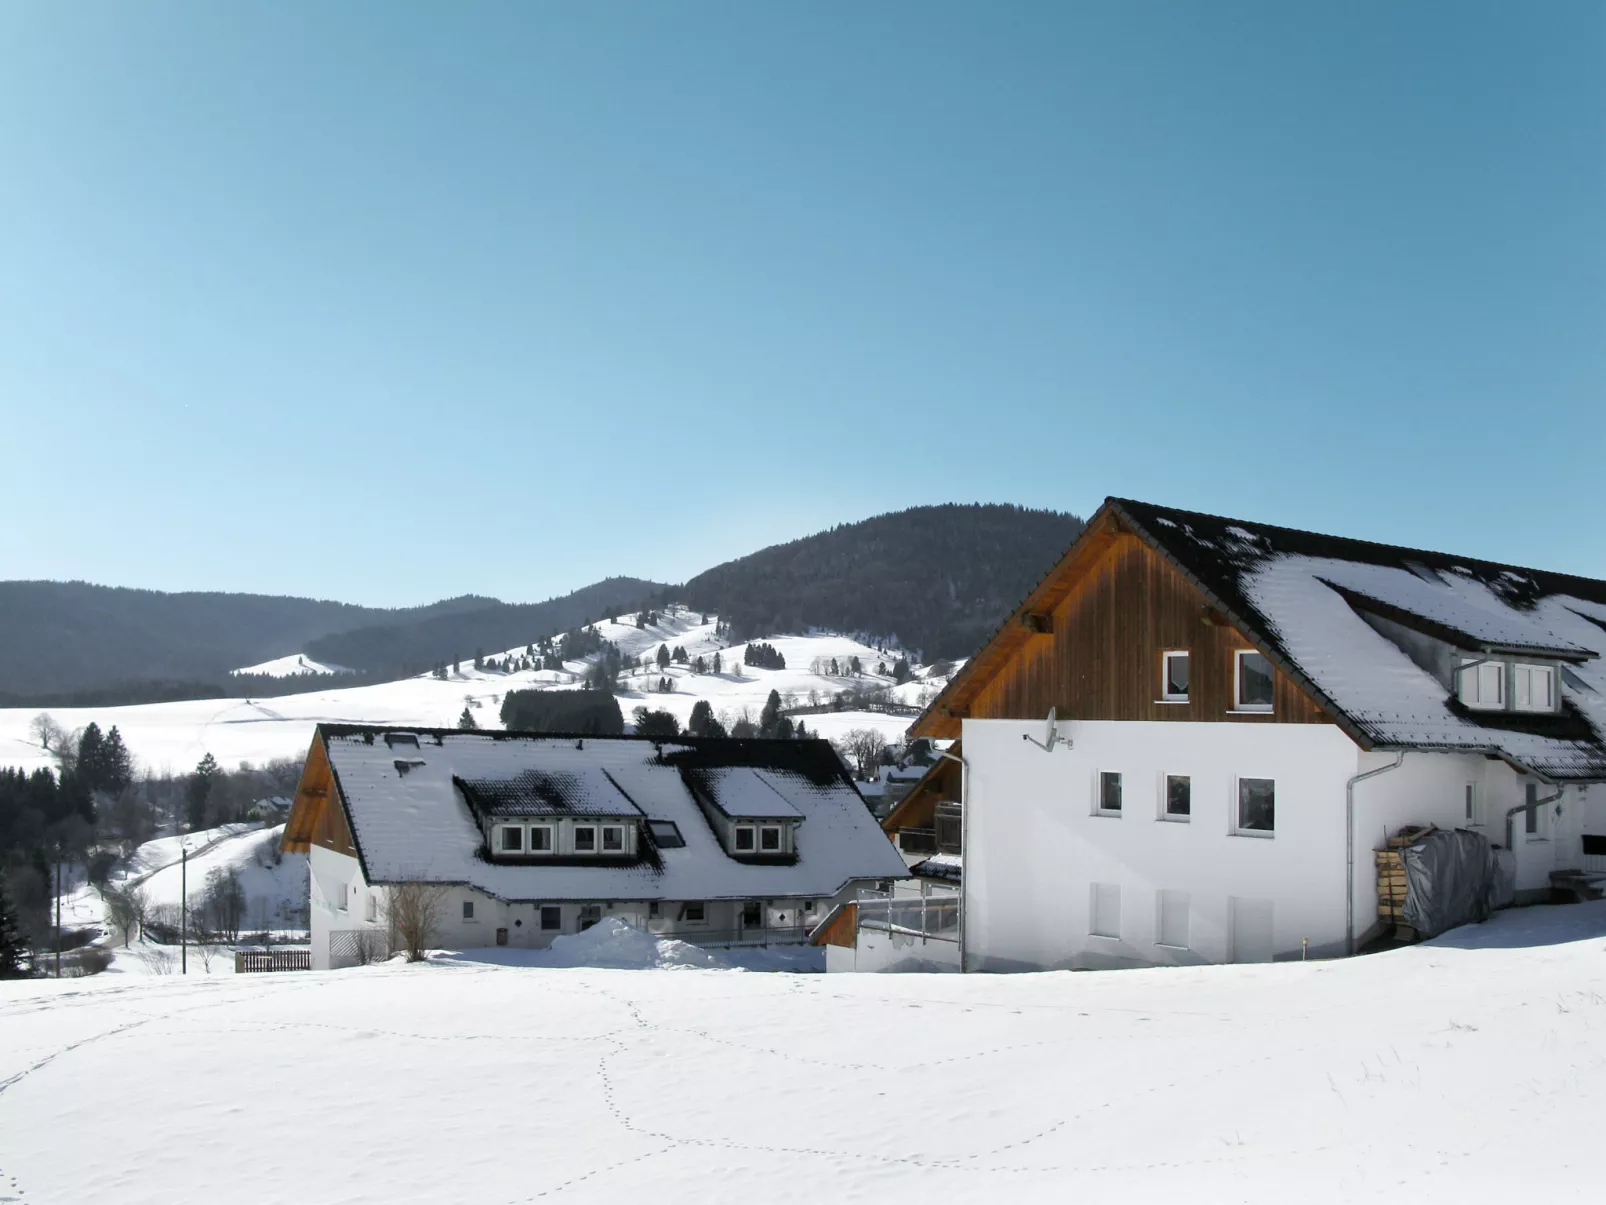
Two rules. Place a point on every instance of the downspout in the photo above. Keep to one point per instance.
(964, 843)
(1523, 807)
(1349, 845)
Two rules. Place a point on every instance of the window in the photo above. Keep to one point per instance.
(370, 911)
(613, 839)
(1109, 803)
(541, 839)
(752, 914)
(1483, 684)
(653, 910)
(1473, 818)
(551, 918)
(1257, 805)
(585, 839)
(1172, 910)
(1178, 796)
(590, 914)
(1174, 677)
(744, 838)
(693, 911)
(1533, 688)
(769, 839)
(468, 909)
(512, 839)
(1106, 910)
(665, 834)
(1253, 691)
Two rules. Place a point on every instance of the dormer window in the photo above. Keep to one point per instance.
(1174, 676)
(1483, 684)
(1533, 687)
(745, 838)
(613, 839)
(769, 839)
(585, 838)
(512, 838)
(1253, 680)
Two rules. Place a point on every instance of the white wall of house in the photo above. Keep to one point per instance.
(1051, 882)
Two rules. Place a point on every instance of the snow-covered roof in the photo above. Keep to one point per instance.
(417, 823)
(1303, 595)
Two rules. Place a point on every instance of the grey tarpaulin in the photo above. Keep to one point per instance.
(1452, 877)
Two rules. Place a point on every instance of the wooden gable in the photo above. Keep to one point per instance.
(1088, 642)
(318, 816)
(918, 809)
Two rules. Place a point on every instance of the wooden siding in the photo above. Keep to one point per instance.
(918, 809)
(841, 930)
(317, 817)
(1099, 655)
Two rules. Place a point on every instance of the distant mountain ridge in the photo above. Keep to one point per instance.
(937, 579)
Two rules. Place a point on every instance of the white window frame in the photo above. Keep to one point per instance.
(502, 830)
(602, 847)
(685, 912)
(574, 839)
(765, 830)
(1167, 695)
(1522, 676)
(468, 913)
(1098, 924)
(752, 834)
(1237, 807)
(1238, 704)
(1472, 672)
(370, 908)
(1165, 800)
(1473, 805)
(551, 839)
(1540, 832)
(1098, 793)
(1160, 934)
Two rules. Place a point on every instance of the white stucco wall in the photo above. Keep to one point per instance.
(1036, 853)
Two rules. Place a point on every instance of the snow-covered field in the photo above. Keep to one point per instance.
(1467, 1070)
(292, 666)
(174, 736)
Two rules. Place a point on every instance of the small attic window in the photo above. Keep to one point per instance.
(1533, 687)
(401, 738)
(666, 834)
(1482, 684)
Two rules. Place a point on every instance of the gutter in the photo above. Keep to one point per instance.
(964, 842)
(1349, 845)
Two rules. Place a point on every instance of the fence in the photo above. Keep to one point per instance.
(933, 917)
(750, 935)
(247, 962)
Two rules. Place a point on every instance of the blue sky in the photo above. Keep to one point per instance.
(389, 302)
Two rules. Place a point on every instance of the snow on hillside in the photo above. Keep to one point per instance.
(174, 736)
(292, 666)
(1467, 1069)
(275, 887)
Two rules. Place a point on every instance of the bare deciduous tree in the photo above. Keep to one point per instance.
(413, 911)
(127, 908)
(862, 748)
(369, 946)
(158, 961)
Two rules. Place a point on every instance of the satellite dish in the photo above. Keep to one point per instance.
(1051, 736)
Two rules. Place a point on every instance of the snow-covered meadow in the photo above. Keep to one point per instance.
(1468, 1069)
(174, 736)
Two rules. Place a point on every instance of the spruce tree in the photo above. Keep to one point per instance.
(663, 656)
(199, 790)
(769, 720)
(466, 720)
(11, 949)
(717, 667)
(119, 774)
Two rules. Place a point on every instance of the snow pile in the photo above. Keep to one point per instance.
(613, 943)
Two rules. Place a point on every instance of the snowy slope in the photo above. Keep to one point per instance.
(274, 886)
(1466, 1070)
(174, 736)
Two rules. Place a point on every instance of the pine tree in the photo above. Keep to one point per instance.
(91, 757)
(717, 667)
(466, 720)
(663, 656)
(680, 655)
(199, 790)
(119, 773)
(769, 720)
(701, 715)
(11, 951)
(800, 732)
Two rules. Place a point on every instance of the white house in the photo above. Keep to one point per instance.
(1245, 712)
(711, 841)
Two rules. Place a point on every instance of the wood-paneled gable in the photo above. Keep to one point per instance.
(1095, 653)
(317, 817)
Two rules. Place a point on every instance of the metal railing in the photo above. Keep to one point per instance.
(933, 917)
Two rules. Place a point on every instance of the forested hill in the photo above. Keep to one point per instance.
(68, 636)
(417, 644)
(939, 578)
(113, 645)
